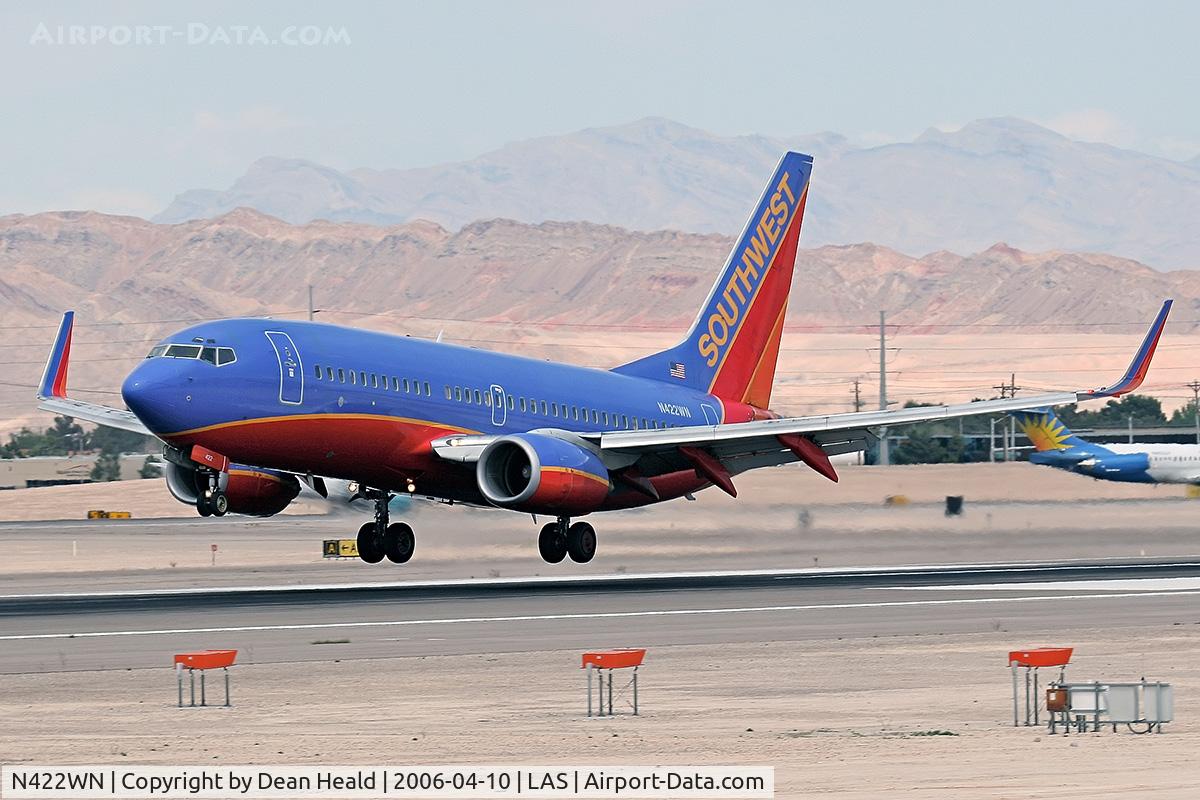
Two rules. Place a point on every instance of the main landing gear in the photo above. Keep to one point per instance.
(561, 539)
(378, 540)
(211, 502)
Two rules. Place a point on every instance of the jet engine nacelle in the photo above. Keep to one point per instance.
(252, 491)
(1130, 467)
(539, 473)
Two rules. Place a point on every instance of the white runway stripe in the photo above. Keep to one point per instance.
(601, 615)
(1118, 585)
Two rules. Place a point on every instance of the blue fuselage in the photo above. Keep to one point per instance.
(361, 405)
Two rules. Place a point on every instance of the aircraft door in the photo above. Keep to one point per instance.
(291, 370)
(710, 414)
(499, 409)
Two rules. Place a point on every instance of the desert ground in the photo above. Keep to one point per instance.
(916, 716)
(854, 716)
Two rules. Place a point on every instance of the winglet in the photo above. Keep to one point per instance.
(54, 379)
(1136, 373)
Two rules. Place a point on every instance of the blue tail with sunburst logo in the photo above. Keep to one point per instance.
(1053, 441)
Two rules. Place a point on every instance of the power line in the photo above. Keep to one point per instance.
(143, 322)
(77, 343)
(663, 326)
(73, 388)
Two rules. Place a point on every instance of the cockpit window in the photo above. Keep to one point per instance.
(183, 351)
(217, 356)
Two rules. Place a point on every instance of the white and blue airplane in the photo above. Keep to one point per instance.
(1056, 446)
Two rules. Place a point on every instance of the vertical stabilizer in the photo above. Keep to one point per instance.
(732, 347)
(1047, 433)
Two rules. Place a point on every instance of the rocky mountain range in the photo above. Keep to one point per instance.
(591, 293)
(993, 180)
(245, 262)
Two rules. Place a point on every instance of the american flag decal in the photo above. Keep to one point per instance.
(678, 370)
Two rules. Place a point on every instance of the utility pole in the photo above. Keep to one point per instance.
(310, 303)
(1009, 432)
(884, 458)
(858, 406)
(1195, 387)
(1003, 387)
(1012, 425)
(1009, 389)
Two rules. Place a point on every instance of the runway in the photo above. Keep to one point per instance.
(77, 631)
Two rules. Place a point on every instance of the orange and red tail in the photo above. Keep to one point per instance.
(732, 347)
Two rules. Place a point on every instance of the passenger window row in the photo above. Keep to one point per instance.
(564, 411)
(372, 380)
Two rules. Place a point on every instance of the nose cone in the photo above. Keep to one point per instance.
(156, 392)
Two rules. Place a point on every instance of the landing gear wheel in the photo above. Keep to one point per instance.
(203, 506)
(552, 544)
(370, 545)
(398, 542)
(581, 542)
(219, 503)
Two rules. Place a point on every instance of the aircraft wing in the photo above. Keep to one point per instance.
(52, 391)
(719, 451)
(101, 415)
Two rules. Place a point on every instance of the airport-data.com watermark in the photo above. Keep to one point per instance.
(193, 34)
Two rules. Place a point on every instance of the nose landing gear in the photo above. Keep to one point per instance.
(561, 539)
(205, 481)
(378, 539)
(212, 501)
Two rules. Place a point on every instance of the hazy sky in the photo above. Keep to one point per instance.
(122, 126)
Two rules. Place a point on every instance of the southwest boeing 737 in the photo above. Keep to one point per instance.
(1056, 446)
(248, 410)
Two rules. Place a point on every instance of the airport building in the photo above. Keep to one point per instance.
(23, 473)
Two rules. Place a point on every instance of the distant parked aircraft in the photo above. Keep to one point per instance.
(1056, 446)
(305, 402)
